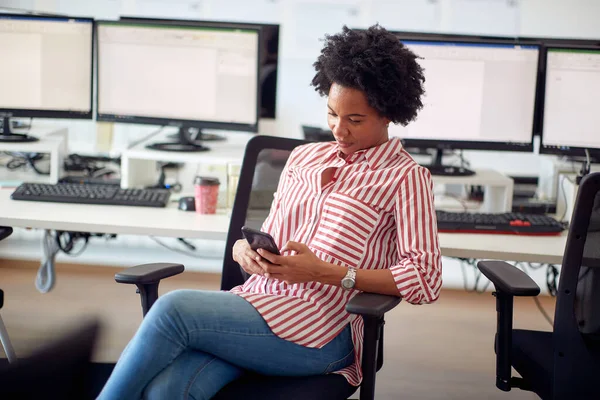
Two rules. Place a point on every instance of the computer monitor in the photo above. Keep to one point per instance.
(269, 57)
(571, 119)
(189, 76)
(45, 69)
(479, 95)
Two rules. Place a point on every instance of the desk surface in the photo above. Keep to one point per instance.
(539, 249)
(147, 221)
(171, 222)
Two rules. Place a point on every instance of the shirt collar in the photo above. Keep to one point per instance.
(375, 156)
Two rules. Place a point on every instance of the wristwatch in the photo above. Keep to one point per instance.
(349, 280)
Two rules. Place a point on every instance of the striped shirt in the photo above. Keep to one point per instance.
(376, 212)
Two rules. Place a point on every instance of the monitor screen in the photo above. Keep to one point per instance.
(46, 66)
(156, 73)
(478, 95)
(269, 57)
(572, 94)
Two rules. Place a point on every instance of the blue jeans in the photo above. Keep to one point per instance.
(192, 343)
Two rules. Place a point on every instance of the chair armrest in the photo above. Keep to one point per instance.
(148, 273)
(508, 279)
(5, 231)
(372, 304)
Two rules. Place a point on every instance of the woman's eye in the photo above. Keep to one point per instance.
(355, 121)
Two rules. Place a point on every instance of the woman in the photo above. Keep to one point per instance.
(351, 215)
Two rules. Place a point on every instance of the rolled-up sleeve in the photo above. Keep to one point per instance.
(418, 272)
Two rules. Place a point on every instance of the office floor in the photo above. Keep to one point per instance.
(439, 351)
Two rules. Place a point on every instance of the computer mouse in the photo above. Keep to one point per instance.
(187, 203)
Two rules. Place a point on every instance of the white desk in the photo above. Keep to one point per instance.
(147, 221)
(538, 249)
(171, 222)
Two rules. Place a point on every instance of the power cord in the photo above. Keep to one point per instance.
(91, 166)
(161, 184)
(187, 244)
(564, 195)
(471, 262)
(20, 160)
(46, 276)
(585, 167)
(53, 242)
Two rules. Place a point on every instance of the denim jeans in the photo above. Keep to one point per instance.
(192, 343)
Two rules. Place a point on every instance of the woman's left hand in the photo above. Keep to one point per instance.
(302, 266)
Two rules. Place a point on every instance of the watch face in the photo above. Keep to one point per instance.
(347, 283)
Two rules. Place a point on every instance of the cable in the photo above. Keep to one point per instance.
(66, 242)
(552, 279)
(544, 313)
(463, 161)
(44, 281)
(455, 197)
(551, 283)
(174, 249)
(471, 262)
(20, 160)
(585, 167)
(564, 194)
(588, 162)
(149, 136)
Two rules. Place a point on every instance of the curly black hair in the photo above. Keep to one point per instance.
(377, 63)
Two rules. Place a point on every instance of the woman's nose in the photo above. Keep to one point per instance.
(339, 129)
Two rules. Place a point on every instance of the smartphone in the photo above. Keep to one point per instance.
(260, 240)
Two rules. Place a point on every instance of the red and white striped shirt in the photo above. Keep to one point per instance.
(377, 212)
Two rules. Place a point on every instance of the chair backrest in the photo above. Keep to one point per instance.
(577, 314)
(264, 160)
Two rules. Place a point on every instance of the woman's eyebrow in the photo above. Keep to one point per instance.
(349, 115)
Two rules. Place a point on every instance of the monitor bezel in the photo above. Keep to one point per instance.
(271, 114)
(177, 122)
(466, 144)
(574, 151)
(59, 114)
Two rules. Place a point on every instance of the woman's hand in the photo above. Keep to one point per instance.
(301, 266)
(247, 258)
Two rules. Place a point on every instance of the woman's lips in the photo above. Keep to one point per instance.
(344, 144)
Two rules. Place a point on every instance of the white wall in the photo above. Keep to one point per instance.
(304, 22)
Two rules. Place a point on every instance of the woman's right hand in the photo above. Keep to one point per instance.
(246, 257)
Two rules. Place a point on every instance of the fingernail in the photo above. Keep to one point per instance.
(268, 275)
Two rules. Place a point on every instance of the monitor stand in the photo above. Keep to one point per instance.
(437, 168)
(196, 135)
(186, 141)
(8, 136)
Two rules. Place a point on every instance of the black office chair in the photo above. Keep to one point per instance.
(263, 162)
(60, 370)
(564, 363)
(5, 231)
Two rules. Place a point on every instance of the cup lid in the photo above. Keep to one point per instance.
(206, 181)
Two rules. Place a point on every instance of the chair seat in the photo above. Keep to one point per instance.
(533, 358)
(322, 387)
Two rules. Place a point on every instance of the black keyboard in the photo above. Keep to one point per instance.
(91, 194)
(505, 223)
